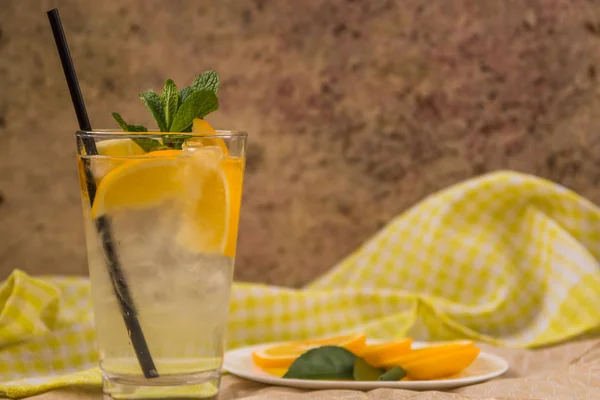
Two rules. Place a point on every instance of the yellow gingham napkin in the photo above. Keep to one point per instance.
(507, 258)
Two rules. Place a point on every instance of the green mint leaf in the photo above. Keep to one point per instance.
(136, 128)
(170, 102)
(120, 121)
(208, 80)
(394, 374)
(184, 93)
(196, 105)
(208, 105)
(327, 362)
(175, 141)
(147, 144)
(363, 371)
(153, 102)
(125, 126)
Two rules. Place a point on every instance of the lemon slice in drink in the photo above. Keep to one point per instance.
(140, 183)
(207, 211)
(213, 199)
(202, 128)
(118, 148)
(113, 148)
(205, 185)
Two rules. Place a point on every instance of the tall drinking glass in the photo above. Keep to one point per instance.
(161, 230)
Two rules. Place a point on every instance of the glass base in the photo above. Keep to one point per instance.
(202, 385)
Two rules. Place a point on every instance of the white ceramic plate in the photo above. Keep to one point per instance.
(239, 362)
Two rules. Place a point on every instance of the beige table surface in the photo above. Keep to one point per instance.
(569, 371)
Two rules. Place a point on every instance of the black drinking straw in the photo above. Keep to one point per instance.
(115, 270)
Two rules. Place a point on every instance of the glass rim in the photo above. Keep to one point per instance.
(155, 133)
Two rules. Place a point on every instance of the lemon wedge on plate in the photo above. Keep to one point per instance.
(282, 355)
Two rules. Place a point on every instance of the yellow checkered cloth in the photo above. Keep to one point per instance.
(506, 258)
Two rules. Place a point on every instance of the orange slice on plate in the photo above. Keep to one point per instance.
(378, 354)
(441, 365)
(424, 353)
(283, 355)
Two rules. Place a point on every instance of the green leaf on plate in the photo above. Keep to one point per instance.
(363, 371)
(394, 374)
(327, 362)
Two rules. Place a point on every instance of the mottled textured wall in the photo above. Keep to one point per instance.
(356, 110)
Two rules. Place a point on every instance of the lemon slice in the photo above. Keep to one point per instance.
(205, 184)
(378, 354)
(205, 222)
(284, 354)
(201, 127)
(213, 194)
(234, 171)
(141, 183)
(112, 148)
(118, 148)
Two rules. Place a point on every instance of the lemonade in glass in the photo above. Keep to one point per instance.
(170, 202)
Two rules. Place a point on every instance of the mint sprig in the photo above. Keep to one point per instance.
(196, 105)
(184, 93)
(147, 144)
(170, 102)
(127, 127)
(174, 110)
(208, 80)
(153, 102)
